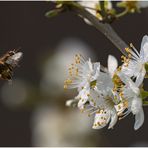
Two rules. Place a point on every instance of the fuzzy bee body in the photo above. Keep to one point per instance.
(8, 62)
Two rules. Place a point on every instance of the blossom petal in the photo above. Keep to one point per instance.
(139, 119)
(72, 102)
(131, 69)
(95, 99)
(125, 79)
(101, 119)
(90, 65)
(112, 64)
(137, 110)
(140, 77)
(136, 105)
(104, 83)
(83, 96)
(96, 70)
(113, 119)
(144, 49)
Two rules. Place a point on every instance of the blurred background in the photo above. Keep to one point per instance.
(32, 108)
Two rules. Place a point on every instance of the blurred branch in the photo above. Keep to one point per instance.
(105, 28)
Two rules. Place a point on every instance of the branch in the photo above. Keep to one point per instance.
(105, 28)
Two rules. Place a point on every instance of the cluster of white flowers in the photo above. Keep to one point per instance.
(110, 93)
(94, 7)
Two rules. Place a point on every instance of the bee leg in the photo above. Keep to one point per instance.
(9, 76)
(9, 67)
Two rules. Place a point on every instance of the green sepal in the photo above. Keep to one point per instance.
(146, 67)
(131, 6)
(145, 102)
(143, 94)
(53, 13)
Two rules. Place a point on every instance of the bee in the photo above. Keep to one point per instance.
(8, 62)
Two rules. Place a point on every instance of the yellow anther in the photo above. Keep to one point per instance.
(68, 81)
(114, 89)
(65, 86)
(125, 103)
(77, 71)
(98, 124)
(121, 94)
(98, 112)
(122, 57)
(95, 124)
(127, 50)
(129, 56)
(101, 111)
(88, 95)
(102, 123)
(119, 69)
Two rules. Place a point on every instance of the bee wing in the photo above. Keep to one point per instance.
(13, 60)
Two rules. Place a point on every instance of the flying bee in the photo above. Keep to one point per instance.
(8, 62)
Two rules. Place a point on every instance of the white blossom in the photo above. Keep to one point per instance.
(132, 93)
(134, 65)
(81, 73)
(103, 108)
